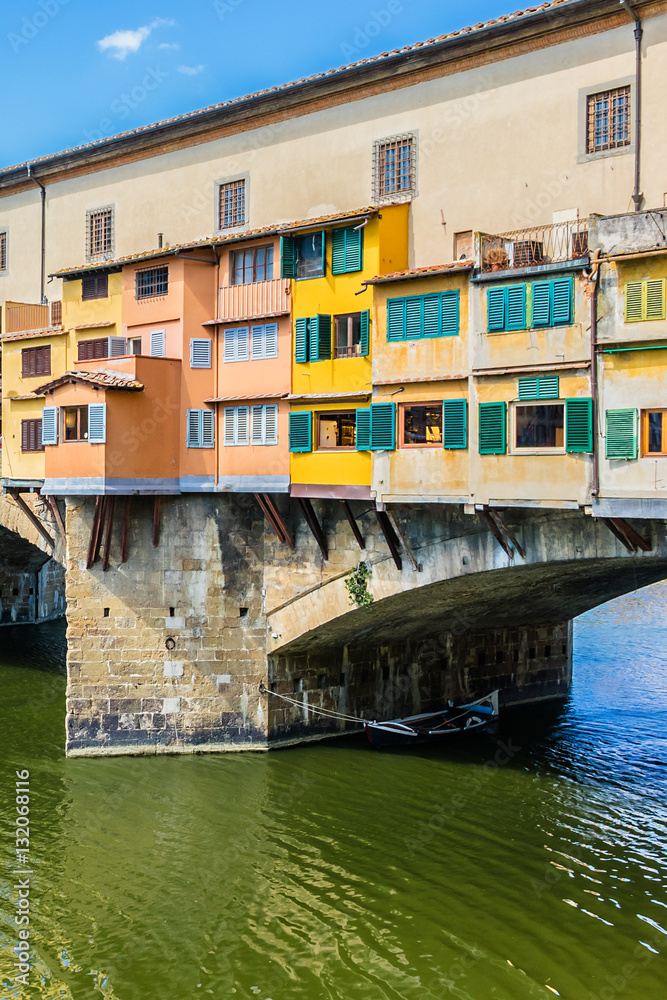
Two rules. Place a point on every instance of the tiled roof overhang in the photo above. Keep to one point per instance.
(98, 380)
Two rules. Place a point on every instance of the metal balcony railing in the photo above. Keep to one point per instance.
(550, 244)
(256, 300)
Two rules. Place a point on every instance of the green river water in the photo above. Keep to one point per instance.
(342, 872)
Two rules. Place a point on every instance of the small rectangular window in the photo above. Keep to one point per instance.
(92, 350)
(200, 353)
(264, 341)
(158, 343)
(134, 345)
(99, 233)
(3, 250)
(35, 361)
(236, 425)
(421, 425)
(200, 429)
(152, 282)
(236, 346)
(540, 428)
(95, 286)
(654, 432)
(310, 255)
(394, 166)
(608, 120)
(232, 205)
(264, 425)
(645, 300)
(251, 265)
(463, 245)
(347, 332)
(75, 423)
(31, 435)
(336, 430)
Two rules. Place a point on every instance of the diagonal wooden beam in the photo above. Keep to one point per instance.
(32, 517)
(354, 525)
(111, 510)
(55, 510)
(314, 525)
(509, 535)
(493, 527)
(125, 532)
(404, 543)
(93, 545)
(390, 537)
(615, 530)
(275, 519)
(632, 535)
(156, 522)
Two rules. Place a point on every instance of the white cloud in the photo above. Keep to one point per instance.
(191, 70)
(169, 46)
(119, 44)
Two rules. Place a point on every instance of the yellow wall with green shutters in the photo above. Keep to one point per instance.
(323, 467)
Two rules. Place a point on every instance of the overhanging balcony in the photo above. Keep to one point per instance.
(23, 317)
(534, 247)
(255, 300)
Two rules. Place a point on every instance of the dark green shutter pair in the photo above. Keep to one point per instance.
(552, 305)
(578, 427)
(423, 316)
(539, 387)
(376, 427)
(347, 250)
(622, 438)
(506, 308)
(312, 337)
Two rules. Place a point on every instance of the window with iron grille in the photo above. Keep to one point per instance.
(3, 250)
(608, 120)
(31, 435)
(95, 286)
(99, 233)
(394, 167)
(231, 209)
(152, 282)
(35, 361)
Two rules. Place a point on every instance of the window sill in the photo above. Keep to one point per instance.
(334, 451)
(419, 447)
(538, 451)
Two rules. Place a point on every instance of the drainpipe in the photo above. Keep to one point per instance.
(594, 277)
(216, 342)
(39, 184)
(637, 197)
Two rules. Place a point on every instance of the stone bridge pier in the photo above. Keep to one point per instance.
(197, 602)
(32, 575)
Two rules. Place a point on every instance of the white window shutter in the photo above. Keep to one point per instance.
(229, 426)
(200, 353)
(242, 425)
(50, 425)
(271, 340)
(271, 424)
(229, 349)
(117, 347)
(97, 423)
(257, 425)
(207, 428)
(193, 436)
(158, 344)
(243, 344)
(257, 347)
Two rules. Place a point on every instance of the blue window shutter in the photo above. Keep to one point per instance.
(287, 257)
(579, 425)
(450, 314)
(516, 308)
(50, 425)
(432, 323)
(396, 319)
(542, 297)
(301, 340)
(492, 428)
(193, 439)
(363, 429)
(364, 336)
(562, 295)
(383, 426)
(97, 423)
(621, 436)
(320, 338)
(301, 431)
(455, 423)
(414, 318)
(496, 298)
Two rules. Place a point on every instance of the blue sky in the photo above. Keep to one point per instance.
(81, 70)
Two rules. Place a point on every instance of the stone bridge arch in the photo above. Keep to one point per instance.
(32, 553)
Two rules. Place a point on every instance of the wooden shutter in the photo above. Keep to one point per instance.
(97, 423)
(243, 344)
(431, 311)
(516, 308)
(539, 387)
(363, 435)
(338, 242)
(301, 431)
(193, 430)
(396, 319)
(228, 422)
(44, 360)
(242, 422)
(207, 428)
(561, 298)
(26, 363)
(229, 346)
(449, 326)
(271, 424)
(414, 319)
(364, 333)
(346, 250)
(383, 426)
(301, 340)
(287, 257)
(257, 425)
(271, 340)
(542, 294)
(655, 298)
(158, 344)
(492, 428)
(579, 425)
(455, 423)
(50, 425)
(634, 301)
(320, 338)
(621, 436)
(200, 353)
(496, 299)
(25, 435)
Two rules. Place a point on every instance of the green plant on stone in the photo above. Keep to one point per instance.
(357, 586)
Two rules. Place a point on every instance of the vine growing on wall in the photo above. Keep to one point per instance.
(357, 586)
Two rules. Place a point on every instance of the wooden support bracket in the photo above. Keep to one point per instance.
(156, 522)
(390, 537)
(510, 537)
(275, 519)
(361, 542)
(494, 527)
(55, 510)
(314, 525)
(95, 529)
(110, 511)
(32, 517)
(404, 544)
(125, 532)
(626, 534)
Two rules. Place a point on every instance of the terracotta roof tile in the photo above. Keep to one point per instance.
(47, 331)
(423, 272)
(98, 379)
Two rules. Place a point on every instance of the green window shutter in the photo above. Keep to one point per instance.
(320, 338)
(496, 298)
(347, 250)
(324, 252)
(364, 336)
(621, 434)
(363, 429)
(634, 301)
(655, 298)
(431, 312)
(414, 318)
(383, 426)
(542, 298)
(338, 242)
(548, 387)
(301, 431)
(561, 297)
(301, 340)
(455, 423)
(516, 308)
(492, 428)
(396, 319)
(529, 388)
(287, 257)
(450, 324)
(579, 425)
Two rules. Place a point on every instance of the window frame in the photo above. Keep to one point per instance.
(37, 421)
(159, 292)
(235, 410)
(79, 410)
(98, 277)
(349, 316)
(645, 453)
(108, 251)
(413, 404)
(221, 187)
(264, 407)
(303, 236)
(380, 193)
(253, 250)
(4, 250)
(584, 156)
(336, 448)
(33, 353)
(515, 449)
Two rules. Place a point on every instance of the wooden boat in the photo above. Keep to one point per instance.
(435, 727)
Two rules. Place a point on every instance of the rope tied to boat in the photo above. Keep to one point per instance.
(326, 712)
